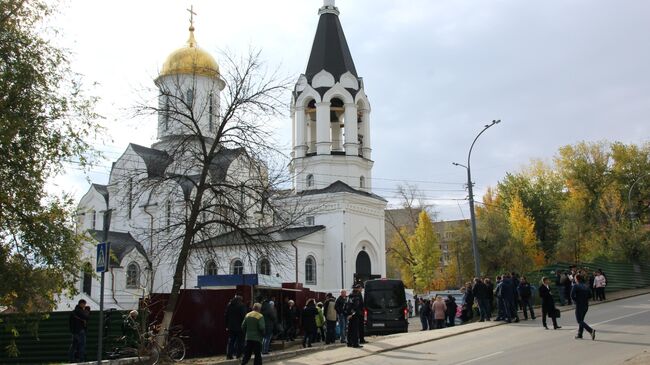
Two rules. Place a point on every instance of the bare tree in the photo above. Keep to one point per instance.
(217, 172)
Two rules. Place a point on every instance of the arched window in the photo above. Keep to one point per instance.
(168, 213)
(166, 113)
(310, 180)
(211, 112)
(264, 267)
(210, 268)
(237, 267)
(310, 270)
(189, 97)
(362, 182)
(132, 275)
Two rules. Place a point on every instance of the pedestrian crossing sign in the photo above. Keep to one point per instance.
(103, 256)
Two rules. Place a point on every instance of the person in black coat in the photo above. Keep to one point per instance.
(235, 313)
(451, 310)
(548, 303)
(490, 292)
(424, 311)
(580, 295)
(77, 323)
(480, 291)
(308, 318)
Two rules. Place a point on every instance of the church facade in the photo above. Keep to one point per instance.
(339, 238)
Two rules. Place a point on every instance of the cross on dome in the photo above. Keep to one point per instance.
(192, 14)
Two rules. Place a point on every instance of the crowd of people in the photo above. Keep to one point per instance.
(512, 295)
(251, 330)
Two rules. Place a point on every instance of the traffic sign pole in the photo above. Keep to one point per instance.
(103, 263)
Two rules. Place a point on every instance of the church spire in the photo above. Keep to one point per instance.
(330, 50)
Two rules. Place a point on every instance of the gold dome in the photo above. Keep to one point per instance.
(190, 60)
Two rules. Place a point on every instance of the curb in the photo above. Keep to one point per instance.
(283, 355)
(300, 352)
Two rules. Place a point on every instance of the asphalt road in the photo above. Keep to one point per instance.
(622, 327)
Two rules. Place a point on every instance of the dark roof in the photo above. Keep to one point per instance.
(259, 235)
(121, 244)
(330, 49)
(102, 189)
(222, 160)
(155, 160)
(339, 187)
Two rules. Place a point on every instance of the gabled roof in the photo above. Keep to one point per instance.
(121, 244)
(155, 160)
(101, 189)
(330, 49)
(339, 187)
(259, 235)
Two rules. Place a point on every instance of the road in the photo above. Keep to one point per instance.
(623, 331)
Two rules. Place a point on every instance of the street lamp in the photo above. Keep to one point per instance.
(629, 196)
(470, 190)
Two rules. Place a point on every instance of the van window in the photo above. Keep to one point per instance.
(385, 297)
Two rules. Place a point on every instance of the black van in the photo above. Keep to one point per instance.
(385, 309)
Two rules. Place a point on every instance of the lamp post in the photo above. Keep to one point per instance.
(629, 196)
(470, 190)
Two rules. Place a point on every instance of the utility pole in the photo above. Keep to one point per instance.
(470, 190)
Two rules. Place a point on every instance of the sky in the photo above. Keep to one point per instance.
(555, 72)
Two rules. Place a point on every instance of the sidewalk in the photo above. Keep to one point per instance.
(332, 354)
(337, 353)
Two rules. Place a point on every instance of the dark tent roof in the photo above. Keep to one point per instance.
(102, 189)
(222, 160)
(259, 235)
(330, 49)
(155, 160)
(339, 187)
(121, 244)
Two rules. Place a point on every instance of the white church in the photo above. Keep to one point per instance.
(340, 237)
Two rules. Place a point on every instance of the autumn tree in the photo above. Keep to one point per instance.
(426, 253)
(45, 121)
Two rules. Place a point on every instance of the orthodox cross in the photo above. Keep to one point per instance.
(192, 14)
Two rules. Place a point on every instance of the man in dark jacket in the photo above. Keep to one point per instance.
(580, 295)
(506, 291)
(480, 293)
(451, 310)
(525, 295)
(289, 316)
(490, 292)
(77, 323)
(354, 307)
(342, 316)
(235, 313)
(270, 318)
(548, 304)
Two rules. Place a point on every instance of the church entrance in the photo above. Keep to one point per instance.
(363, 268)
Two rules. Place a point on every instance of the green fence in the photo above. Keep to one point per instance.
(51, 342)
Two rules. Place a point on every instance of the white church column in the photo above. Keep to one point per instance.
(323, 143)
(300, 146)
(365, 131)
(351, 143)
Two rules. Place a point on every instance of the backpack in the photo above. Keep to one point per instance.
(330, 312)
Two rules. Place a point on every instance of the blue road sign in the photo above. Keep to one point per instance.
(103, 256)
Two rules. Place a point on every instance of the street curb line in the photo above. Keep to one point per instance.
(301, 352)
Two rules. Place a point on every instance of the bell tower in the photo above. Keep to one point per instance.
(330, 114)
